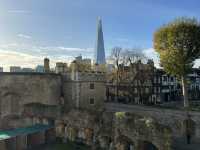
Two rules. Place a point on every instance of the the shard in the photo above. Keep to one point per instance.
(99, 47)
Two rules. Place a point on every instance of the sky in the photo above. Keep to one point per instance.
(62, 29)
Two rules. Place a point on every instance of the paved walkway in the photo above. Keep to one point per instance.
(182, 145)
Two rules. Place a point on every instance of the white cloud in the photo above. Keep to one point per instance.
(47, 50)
(19, 11)
(10, 58)
(72, 49)
(25, 55)
(24, 36)
(64, 51)
(152, 54)
(13, 58)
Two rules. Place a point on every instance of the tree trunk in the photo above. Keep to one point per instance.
(185, 91)
(117, 87)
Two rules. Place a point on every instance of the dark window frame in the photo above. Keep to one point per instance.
(92, 86)
(91, 101)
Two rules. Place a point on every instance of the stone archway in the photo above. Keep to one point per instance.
(105, 141)
(10, 104)
(146, 145)
(89, 134)
(188, 128)
(72, 133)
(124, 143)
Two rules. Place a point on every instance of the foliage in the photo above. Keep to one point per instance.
(120, 115)
(178, 45)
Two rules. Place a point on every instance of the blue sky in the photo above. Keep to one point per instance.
(62, 29)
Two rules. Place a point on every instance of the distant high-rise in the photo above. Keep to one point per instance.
(39, 68)
(1, 69)
(99, 47)
(27, 70)
(15, 69)
(46, 65)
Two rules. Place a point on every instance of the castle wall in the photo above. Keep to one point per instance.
(97, 94)
(78, 92)
(103, 129)
(18, 89)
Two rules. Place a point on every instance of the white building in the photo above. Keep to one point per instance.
(15, 69)
(85, 61)
(39, 68)
(110, 67)
(61, 67)
(1, 69)
(27, 70)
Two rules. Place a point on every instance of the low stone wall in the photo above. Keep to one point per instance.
(21, 143)
(3, 145)
(108, 130)
(169, 117)
(36, 139)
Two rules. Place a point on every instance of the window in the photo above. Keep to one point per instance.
(154, 79)
(158, 79)
(91, 101)
(146, 90)
(158, 89)
(135, 90)
(91, 85)
(155, 90)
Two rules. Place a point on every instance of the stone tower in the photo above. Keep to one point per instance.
(46, 65)
(99, 47)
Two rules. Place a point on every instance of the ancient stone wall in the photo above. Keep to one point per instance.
(106, 130)
(77, 91)
(18, 89)
(174, 119)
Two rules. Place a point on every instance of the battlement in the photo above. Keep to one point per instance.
(28, 73)
(85, 76)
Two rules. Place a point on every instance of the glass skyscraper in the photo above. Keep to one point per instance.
(99, 47)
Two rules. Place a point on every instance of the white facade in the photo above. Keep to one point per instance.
(15, 69)
(39, 68)
(27, 70)
(61, 67)
(1, 69)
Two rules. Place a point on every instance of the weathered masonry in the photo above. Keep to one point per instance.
(23, 138)
(37, 108)
(31, 99)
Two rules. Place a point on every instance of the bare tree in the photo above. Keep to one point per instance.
(140, 75)
(133, 58)
(132, 71)
(116, 58)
